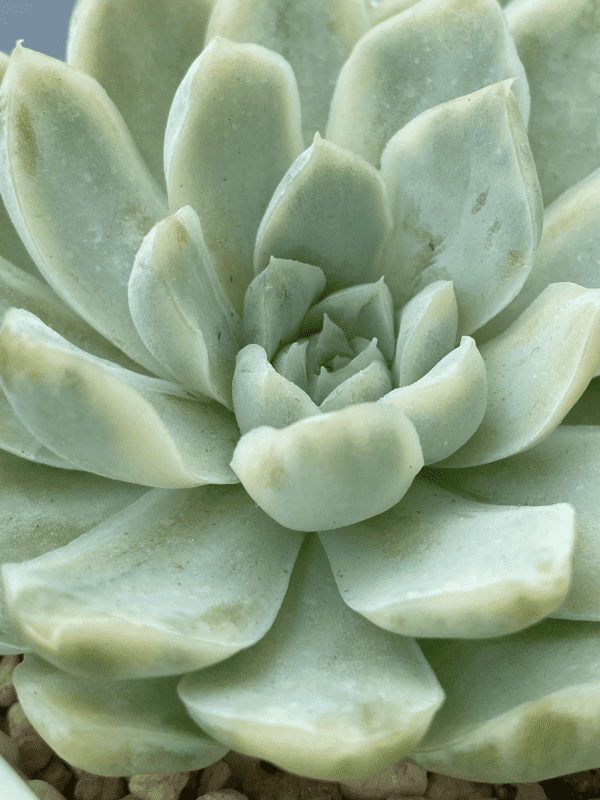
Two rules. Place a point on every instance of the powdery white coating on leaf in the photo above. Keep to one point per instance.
(466, 203)
(315, 37)
(331, 209)
(537, 370)
(233, 131)
(550, 714)
(563, 468)
(448, 404)
(416, 60)
(331, 470)
(113, 728)
(132, 599)
(558, 42)
(99, 206)
(180, 309)
(435, 565)
(108, 420)
(325, 693)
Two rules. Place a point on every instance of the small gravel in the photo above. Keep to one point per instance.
(239, 777)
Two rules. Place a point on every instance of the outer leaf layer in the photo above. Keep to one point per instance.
(108, 420)
(325, 693)
(77, 190)
(147, 593)
(113, 727)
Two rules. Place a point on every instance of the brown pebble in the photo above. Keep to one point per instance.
(158, 787)
(215, 777)
(34, 753)
(96, 787)
(45, 791)
(530, 791)
(223, 794)
(8, 693)
(443, 787)
(56, 772)
(9, 749)
(404, 777)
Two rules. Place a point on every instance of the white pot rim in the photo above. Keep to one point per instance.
(12, 786)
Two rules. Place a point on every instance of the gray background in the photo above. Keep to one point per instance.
(42, 24)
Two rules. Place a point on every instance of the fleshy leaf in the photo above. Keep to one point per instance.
(77, 191)
(277, 300)
(180, 309)
(325, 345)
(108, 420)
(233, 131)
(448, 404)
(325, 382)
(365, 386)
(290, 362)
(436, 564)
(325, 693)
(569, 250)
(558, 42)
(537, 369)
(521, 708)
(314, 37)
(331, 470)
(473, 150)
(261, 396)
(366, 310)
(139, 52)
(45, 508)
(563, 468)
(111, 727)
(427, 329)
(147, 592)
(382, 10)
(332, 210)
(416, 60)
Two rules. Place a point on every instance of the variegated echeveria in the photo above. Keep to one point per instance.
(289, 342)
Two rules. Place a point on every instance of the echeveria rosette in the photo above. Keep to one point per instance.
(216, 526)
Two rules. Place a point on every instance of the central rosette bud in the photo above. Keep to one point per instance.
(315, 352)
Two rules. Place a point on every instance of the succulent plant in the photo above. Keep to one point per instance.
(289, 346)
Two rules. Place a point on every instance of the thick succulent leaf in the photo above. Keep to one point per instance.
(447, 405)
(16, 438)
(291, 362)
(522, 708)
(365, 386)
(111, 727)
(366, 310)
(558, 42)
(44, 508)
(323, 384)
(427, 330)
(330, 342)
(569, 250)
(331, 470)
(332, 210)
(148, 592)
(466, 203)
(436, 564)
(81, 167)
(11, 246)
(261, 396)
(315, 37)
(563, 468)
(382, 10)
(108, 420)
(537, 370)
(180, 309)
(139, 51)
(233, 131)
(277, 300)
(325, 693)
(416, 60)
